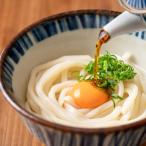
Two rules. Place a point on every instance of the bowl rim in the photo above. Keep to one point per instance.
(40, 120)
(131, 9)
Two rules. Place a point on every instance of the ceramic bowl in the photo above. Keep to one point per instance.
(65, 34)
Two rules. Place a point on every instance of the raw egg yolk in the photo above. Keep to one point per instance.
(87, 95)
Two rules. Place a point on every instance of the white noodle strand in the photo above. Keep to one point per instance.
(50, 83)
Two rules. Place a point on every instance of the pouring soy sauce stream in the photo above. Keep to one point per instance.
(124, 23)
(103, 38)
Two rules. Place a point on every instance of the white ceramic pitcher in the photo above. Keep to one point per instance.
(134, 19)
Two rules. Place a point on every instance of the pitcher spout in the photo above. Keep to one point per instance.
(124, 23)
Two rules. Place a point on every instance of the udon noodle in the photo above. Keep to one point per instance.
(49, 84)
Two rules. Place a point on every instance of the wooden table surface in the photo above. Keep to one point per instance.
(14, 16)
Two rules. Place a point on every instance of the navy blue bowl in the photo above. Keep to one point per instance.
(35, 45)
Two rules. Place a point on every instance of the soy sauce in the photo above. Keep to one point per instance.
(103, 38)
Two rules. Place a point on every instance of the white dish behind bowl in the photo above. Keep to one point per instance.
(79, 42)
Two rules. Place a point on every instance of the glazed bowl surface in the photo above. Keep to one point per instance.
(70, 33)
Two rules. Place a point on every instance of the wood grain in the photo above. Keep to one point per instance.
(14, 16)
